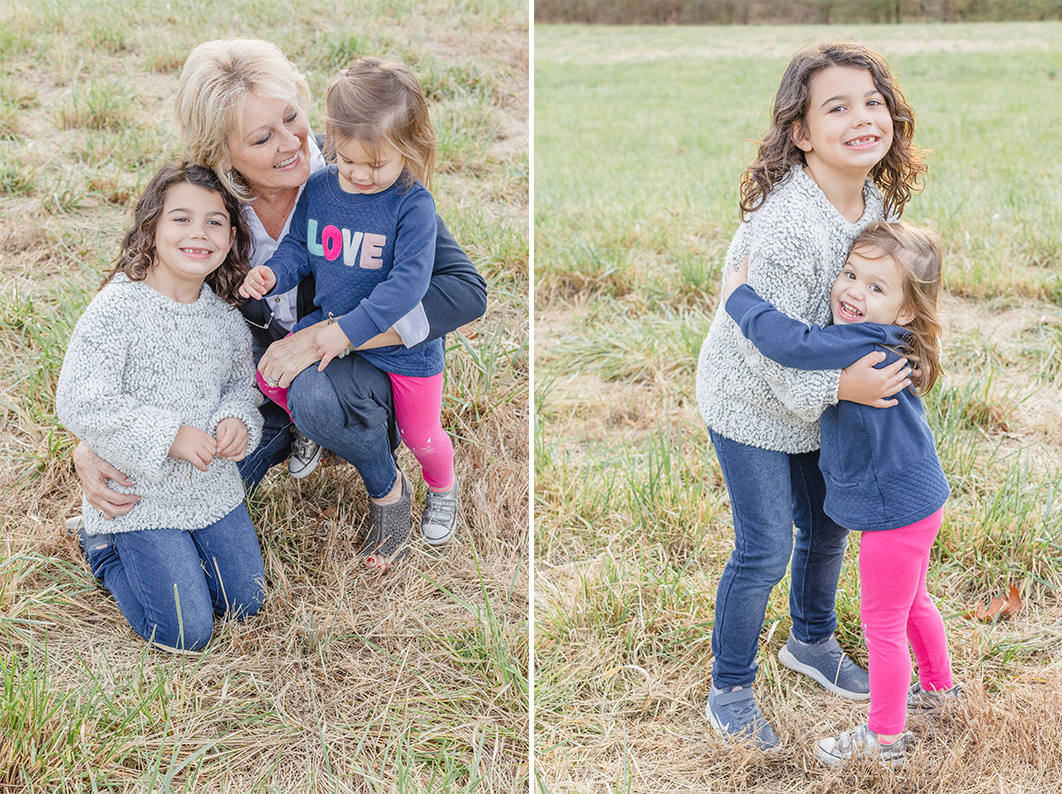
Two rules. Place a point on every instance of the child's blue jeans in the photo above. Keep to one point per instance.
(770, 492)
(170, 583)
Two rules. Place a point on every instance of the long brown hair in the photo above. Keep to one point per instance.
(917, 252)
(897, 175)
(137, 254)
(381, 102)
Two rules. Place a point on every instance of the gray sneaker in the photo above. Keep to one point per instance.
(305, 454)
(439, 519)
(829, 665)
(932, 700)
(734, 714)
(862, 745)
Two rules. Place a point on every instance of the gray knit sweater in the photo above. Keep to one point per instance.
(139, 366)
(796, 242)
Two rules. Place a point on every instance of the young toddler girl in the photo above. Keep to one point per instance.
(883, 476)
(158, 381)
(365, 228)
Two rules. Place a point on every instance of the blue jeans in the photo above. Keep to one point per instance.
(170, 583)
(318, 414)
(274, 448)
(769, 493)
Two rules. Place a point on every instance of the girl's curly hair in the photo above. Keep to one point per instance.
(137, 254)
(898, 175)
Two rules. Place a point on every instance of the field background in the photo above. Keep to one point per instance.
(640, 137)
(346, 681)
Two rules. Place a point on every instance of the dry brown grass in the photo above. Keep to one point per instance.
(346, 681)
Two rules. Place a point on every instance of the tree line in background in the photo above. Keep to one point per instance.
(744, 12)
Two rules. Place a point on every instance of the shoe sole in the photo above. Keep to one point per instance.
(790, 661)
(308, 469)
(832, 760)
(437, 541)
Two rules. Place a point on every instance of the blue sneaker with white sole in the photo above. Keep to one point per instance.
(827, 664)
(734, 714)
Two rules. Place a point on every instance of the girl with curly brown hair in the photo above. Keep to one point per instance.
(159, 379)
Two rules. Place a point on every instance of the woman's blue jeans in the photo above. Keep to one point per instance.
(770, 492)
(170, 583)
(318, 414)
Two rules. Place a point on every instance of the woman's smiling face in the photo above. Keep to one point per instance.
(272, 150)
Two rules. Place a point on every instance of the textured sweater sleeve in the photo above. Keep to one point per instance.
(785, 268)
(792, 343)
(239, 397)
(410, 274)
(132, 436)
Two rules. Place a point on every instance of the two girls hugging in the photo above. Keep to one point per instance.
(804, 381)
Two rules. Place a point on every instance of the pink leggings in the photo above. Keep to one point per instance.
(896, 609)
(418, 403)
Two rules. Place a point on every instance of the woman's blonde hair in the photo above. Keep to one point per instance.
(381, 102)
(215, 82)
(897, 175)
(918, 254)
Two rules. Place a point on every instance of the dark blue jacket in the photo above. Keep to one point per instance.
(880, 464)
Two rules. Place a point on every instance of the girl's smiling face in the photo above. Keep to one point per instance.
(869, 289)
(271, 150)
(848, 126)
(192, 239)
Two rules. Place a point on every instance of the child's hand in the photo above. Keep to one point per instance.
(193, 445)
(232, 439)
(258, 282)
(329, 342)
(735, 278)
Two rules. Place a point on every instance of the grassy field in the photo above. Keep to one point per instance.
(346, 682)
(640, 137)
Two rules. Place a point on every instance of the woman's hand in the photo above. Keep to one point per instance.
(94, 471)
(232, 439)
(193, 445)
(289, 356)
(734, 279)
(863, 383)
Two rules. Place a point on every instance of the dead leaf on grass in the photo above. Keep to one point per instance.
(998, 606)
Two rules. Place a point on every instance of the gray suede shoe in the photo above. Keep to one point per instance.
(305, 455)
(862, 745)
(827, 664)
(389, 527)
(928, 701)
(439, 519)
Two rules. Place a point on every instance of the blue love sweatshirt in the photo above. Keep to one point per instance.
(880, 464)
(371, 257)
